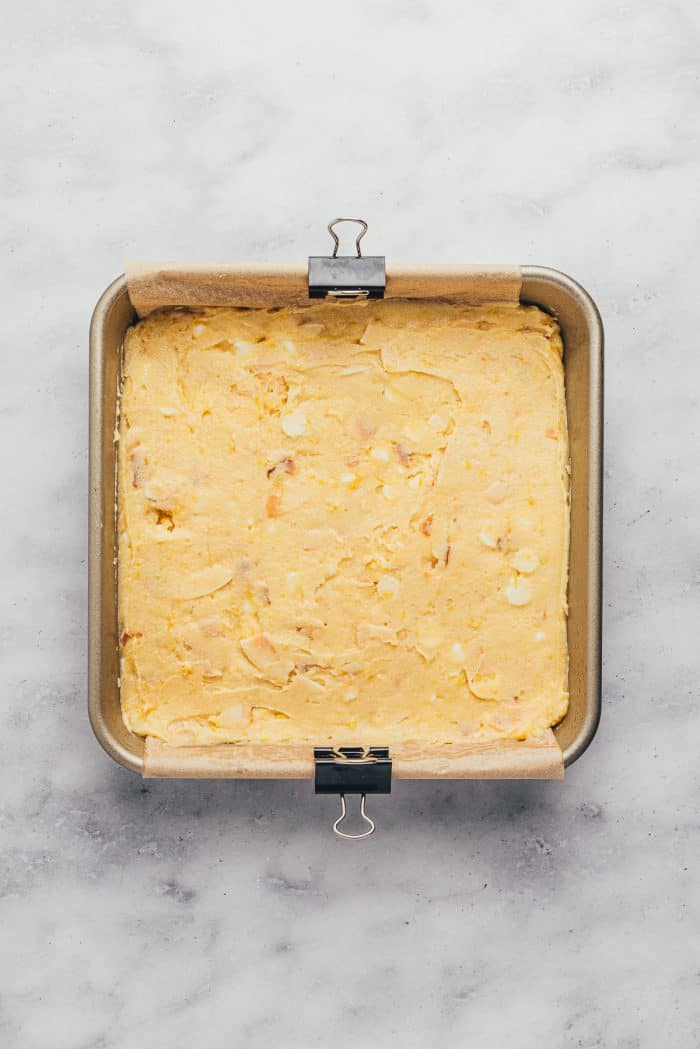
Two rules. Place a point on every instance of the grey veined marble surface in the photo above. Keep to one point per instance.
(179, 914)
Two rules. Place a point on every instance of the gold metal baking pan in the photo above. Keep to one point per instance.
(582, 333)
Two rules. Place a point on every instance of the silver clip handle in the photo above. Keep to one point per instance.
(363, 815)
(360, 235)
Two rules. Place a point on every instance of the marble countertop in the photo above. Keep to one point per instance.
(178, 914)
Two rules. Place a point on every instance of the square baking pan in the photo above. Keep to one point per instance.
(582, 335)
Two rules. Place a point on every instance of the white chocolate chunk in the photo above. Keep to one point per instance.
(355, 369)
(437, 423)
(416, 431)
(484, 686)
(210, 673)
(380, 453)
(365, 632)
(235, 715)
(388, 586)
(488, 540)
(525, 561)
(199, 584)
(497, 492)
(262, 653)
(519, 591)
(294, 423)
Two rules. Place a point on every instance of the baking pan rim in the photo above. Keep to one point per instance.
(533, 278)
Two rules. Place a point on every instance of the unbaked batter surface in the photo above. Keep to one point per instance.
(345, 522)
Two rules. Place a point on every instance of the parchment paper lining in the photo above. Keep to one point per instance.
(539, 758)
(154, 285)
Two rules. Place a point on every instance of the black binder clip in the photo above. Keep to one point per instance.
(352, 770)
(347, 276)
